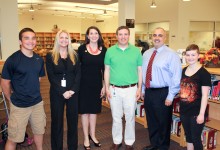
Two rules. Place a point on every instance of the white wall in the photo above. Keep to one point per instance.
(141, 28)
(9, 27)
(109, 25)
(179, 14)
(45, 23)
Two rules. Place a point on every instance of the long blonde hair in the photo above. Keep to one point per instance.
(55, 51)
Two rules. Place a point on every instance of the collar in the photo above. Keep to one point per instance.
(160, 48)
(129, 45)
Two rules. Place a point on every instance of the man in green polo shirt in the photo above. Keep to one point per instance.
(123, 78)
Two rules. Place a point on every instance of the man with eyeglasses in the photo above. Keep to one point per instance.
(161, 82)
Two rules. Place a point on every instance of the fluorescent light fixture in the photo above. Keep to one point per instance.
(186, 0)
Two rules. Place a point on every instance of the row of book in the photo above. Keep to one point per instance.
(209, 136)
(214, 92)
(140, 109)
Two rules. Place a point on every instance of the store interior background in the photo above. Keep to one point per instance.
(197, 21)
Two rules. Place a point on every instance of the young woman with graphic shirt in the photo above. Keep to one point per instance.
(194, 89)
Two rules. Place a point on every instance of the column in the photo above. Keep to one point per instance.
(126, 10)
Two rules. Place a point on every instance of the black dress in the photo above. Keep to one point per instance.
(92, 69)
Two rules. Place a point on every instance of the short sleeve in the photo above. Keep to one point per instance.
(206, 78)
(8, 71)
(42, 71)
(81, 52)
(107, 58)
(140, 59)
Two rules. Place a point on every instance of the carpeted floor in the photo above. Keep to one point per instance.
(103, 131)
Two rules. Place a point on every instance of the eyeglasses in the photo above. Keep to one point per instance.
(157, 35)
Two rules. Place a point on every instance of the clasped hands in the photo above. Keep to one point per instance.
(68, 94)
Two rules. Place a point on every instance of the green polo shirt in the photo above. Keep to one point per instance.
(123, 64)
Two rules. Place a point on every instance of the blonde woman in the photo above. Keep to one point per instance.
(63, 71)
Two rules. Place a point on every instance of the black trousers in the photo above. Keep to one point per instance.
(192, 130)
(57, 105)
(158, 116)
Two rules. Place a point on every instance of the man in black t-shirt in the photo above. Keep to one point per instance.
(20, 83)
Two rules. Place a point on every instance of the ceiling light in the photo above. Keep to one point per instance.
(31, 8)
(153, 4)
(106, 0)
(186, 0)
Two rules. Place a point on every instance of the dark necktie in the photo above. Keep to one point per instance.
(149, 69)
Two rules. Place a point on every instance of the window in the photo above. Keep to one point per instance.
(203, 33)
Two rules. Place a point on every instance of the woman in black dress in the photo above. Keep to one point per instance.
(91, 55)
(63, 69)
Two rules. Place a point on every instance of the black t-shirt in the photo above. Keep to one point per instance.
(191, 91)
(24, 73)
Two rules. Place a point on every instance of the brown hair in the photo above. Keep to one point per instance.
(192, 47)
(25, 30)
(100, 40)
(122, 27)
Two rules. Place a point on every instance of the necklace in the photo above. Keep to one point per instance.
(93, 51)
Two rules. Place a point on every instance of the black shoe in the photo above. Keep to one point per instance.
(87, 147)
(149, 148)
(96, 144)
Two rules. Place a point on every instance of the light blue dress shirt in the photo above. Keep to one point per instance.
(166, 70)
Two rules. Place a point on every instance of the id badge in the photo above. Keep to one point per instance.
(114, 94)
(63, 83)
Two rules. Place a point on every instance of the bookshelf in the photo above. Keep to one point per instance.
(45, 40)
(111, 37)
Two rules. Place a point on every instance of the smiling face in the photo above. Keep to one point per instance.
(28, 41)
(123, 37)
(159, 37)
(192, 56)
(93, 36)
(63, 39)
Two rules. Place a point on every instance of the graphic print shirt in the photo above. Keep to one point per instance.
(191, 91)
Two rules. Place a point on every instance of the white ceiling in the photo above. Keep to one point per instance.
(72, 8)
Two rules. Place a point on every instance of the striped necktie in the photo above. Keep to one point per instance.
(149, 70)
